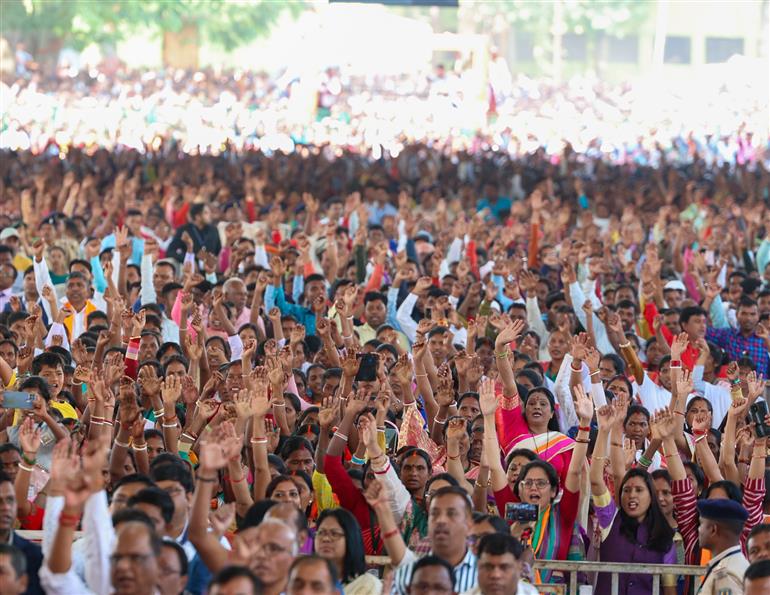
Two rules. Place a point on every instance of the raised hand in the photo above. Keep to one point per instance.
(732, 371)
(510, 333)
(756, 385)
(367, 426)
(350, 364)
(579, 347)
(584, 405)
(738, 408)
(487, 397)
(662, 424)
(171, 390)
(605, 417)
(701, 422)
(376, 495)
(456, 429)
(403, 370)
(29, 438)
(149, 381)
(685, 383)
(221, 519)
(593, 357)
(244, 406)
(678, 346)
(328, 413)
(218, 447)
(357, 402)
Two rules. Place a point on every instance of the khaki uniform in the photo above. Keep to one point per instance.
(725, 575)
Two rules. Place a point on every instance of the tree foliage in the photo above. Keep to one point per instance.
(78, 23)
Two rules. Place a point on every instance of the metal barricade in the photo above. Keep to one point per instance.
(615, 569)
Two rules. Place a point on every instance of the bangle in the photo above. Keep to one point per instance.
(231, 480)
(341, 436)
(675, 363)
(383, 471)
(169, 425)
(390, 533)
(343, 399)
(735, 382)
(625, 345)
(139, 447)
(699, 432)
(170, 419)
(440, 422)
(421, 375)
(96, 419)
(594, 373)
(283, 404)
(598, 458)
(260, 440)
(744, 460)
(679, 413)
(346, 337)
(582, 440)
(476, 484)
(574, 369)
(68, 520)
(752, 456)
(452, 458)
(502, 354)
(644, 461)
(357, 461)
(28, 461)
(107, 422)
(23, 466)
(673, 454)
(121, 444)
(207, 479)
(584, 428)
(158, 414)
(618, 444)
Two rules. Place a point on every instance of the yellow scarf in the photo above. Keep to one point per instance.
(70, 320)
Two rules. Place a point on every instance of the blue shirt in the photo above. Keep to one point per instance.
(499, 209)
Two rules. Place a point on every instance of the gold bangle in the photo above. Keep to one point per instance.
(625, 345)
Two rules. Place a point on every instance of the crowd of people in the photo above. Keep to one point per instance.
(324, 371)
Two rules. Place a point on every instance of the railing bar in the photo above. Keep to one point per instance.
(655, 584)
(573, 576)
(614, 583)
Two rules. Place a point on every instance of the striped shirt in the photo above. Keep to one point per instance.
(466, 577)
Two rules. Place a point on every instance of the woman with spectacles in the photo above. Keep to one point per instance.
(550, 535)
(338, 539)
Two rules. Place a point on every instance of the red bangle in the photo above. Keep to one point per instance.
(675, 363)
(584, 428)
(69, 520)
(699, 432)
(390, 533)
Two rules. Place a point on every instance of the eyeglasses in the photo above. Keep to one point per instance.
(536, 483)
(133, 559)
(330, 535)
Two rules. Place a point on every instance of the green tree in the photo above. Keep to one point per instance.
(46, 24)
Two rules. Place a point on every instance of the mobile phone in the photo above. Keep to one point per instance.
(710, 258)
(520, 512)
(757, 413)
(367, 367)
(18, 400)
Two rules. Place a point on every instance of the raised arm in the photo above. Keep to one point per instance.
(508, 335)
(491, 447)
(584, 407)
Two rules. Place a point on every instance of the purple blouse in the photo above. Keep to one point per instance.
(616, 548)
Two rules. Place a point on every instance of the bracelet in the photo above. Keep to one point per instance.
(344, 399)
(582, 440)
(172, 418)
(121, 444)
(675, 367)
(258, 440)
(594, 373)
(346, 337)
(644, 461)
(283, 404)
(735, 382)
(758, 457)
(169, 425)
(452, 458)
(378, 457)
(598, 458)
(618, 444)
(28, 461)
(341, 436)
(139, 447)
(69, 520)
(421, 375)
(207, 479)
(231, 480)
(574, 369)
(23, 466)
(357, 461)
(584, 428)
(476, 484)
(96, 419)
(625, 345)
(158, 414)
(675, 363)
(440, 422)
(107, 422)
(679, 413)
(502, 355)
(699, 432)
(390, 533)
(744, 460)
(384, 471)
(673, 454)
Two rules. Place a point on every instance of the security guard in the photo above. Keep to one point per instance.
(721, 524)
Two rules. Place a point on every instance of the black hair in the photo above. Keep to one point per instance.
(553, 422)
(660, 534)
(661, 474)
(173, 472)
(167, 345)
(18, 558)
(196, 209)
(445, 476)
(617, 362)
(535, 378)
(84, 263)
(313, 558)
(520, 452)
(277, 462)
(48, 359)
(176, 358)
(133, 478)
(429, 561)
(155, 497)
(622, 378)
(553, 298)
(468, 395)
(411, 451)
(184, 565)
(9, 447)
(295, 443)
(229, 573)
(38, 382)
(757, 570)
(499, 544)
(278, 479)
(498, 523)
(634, 409)
(375, 296)
(132, 515)
(256, 513)
(731, 489)
(354, 562)
(758, 529)
(689, 312)
(546, 467)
